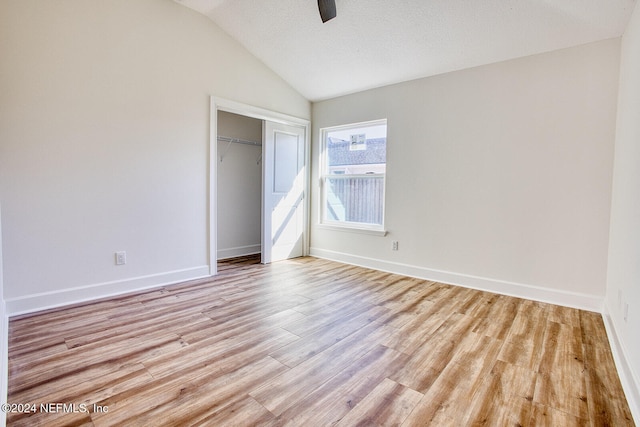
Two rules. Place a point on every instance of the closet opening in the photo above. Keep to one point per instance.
(239, 189)
(258, 184)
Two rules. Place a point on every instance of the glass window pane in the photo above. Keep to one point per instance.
(357, 199)
(354, 159)
(357, 150)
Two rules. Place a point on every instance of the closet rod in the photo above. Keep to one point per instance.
(230, 141)
(238, 141)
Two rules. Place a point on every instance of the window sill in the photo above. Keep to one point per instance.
(351, 229)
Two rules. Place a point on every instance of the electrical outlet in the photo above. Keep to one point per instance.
(394, 245)
(626, 312)
(121, 258)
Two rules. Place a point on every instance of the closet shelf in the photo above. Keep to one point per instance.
(238, 141)
(229, 140)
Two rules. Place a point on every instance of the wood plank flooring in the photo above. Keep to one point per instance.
(309, 342)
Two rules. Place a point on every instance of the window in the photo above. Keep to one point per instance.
(353, 169)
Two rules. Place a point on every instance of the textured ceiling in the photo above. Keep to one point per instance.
(373, 43)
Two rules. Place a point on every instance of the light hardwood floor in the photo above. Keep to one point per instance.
(309, 342)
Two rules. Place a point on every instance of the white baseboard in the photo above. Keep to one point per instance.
(47, 300)
(239, 251)
(536, 293)
(628, 378)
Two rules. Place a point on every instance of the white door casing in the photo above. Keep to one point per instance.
(221, 104)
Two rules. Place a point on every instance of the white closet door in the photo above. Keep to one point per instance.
(283, 192)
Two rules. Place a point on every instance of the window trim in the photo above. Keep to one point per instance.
(357, 227)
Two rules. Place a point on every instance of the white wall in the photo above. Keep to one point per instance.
(498, 177)
(623, 277)
(104, 136)
(239, 186)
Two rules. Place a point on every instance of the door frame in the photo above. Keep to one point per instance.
(221, 104)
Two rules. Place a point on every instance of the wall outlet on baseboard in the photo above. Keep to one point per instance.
(121, 258)
(394, 245)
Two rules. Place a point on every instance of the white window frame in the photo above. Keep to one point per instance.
(359, 227)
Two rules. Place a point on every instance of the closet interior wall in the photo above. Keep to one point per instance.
(239, 185)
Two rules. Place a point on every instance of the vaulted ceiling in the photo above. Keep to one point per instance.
(373, 43)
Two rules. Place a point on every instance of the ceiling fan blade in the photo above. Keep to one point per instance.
(327, 9)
